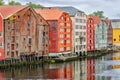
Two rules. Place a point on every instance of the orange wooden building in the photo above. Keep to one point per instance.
(60, 31)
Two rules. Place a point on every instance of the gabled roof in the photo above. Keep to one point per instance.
(69, 9)
(50, 14)
(95, 18)
(7, 11)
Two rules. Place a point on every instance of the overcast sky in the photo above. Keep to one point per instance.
(111, 8)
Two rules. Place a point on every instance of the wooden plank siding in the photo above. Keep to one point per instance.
(22, 34)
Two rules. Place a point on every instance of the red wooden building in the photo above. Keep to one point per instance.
(90, 26)
(60, 30)
(109, 34)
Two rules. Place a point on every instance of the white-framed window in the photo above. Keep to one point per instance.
(62, 17)
(61, 30)
(61, 41)
(62, 49)
(68, 48)
(68, 41)
(68, 35)
(61, 35)
(62, 23)
(68, 24)
(68, 30)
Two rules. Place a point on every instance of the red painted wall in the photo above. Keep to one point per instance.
(2, 53)
(109, 35)
(53, 36)
(90, 34)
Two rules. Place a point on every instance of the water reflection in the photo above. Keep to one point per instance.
(103, 68)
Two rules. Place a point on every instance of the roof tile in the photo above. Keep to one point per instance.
(50, 14)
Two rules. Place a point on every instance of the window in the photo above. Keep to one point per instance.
(90, 31)
(43, 40)
(8, 45)
(68, 30)
(90, 47)
(68, 35)
(16, 53)
(114, 39)
(61, 30)
(90, 41)
(8, 53)
(62, 17)
(18, 16)
(84, 27)
(84, 33)
(77, 26)
(43, 33)
(62, 24)
(77, 33)
(80, 27)
(28, 25)
(77, 20)
(0, 34)
(61, 41)
(29, 40)
(61, 49)
(68, 24)
(68, 41)
(68, 48)
(16, 45)
(8, 28)
(0, 44)
(61, 35)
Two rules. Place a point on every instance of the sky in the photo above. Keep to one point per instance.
(111, 8)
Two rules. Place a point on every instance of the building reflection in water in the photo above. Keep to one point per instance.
(75, 70)
(116, 56)
(90, 69)
(60, 71)
(79, 70)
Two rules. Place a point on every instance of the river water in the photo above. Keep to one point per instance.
(102, 68)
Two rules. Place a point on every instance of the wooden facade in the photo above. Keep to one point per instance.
(90, 34)
(60, 30)
(24, 33)
(2, 52)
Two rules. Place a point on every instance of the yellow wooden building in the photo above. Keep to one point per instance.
(116, 31)
(116, 36)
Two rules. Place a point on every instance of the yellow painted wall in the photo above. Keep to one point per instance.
(116, 35)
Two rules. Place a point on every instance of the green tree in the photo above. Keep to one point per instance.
(34, 5)
(14, 3)
(1, 2)
(98, 13)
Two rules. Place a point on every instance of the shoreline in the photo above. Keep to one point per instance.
(18, 63)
